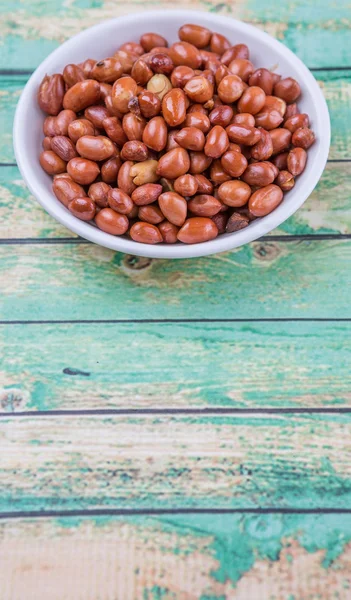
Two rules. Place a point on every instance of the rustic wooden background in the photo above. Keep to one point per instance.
(177, 430)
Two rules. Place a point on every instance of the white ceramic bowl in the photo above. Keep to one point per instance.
(101, 41)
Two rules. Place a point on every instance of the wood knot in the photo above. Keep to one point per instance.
(266, 251)
(132, 263)
(12, 399)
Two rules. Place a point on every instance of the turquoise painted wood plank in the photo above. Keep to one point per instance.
(318, 34)
(309, 279)
(336, 86)
(328, 210)
(167, 365)
(84, 462)
(177, 556)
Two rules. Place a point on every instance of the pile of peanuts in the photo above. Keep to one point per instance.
(172, 143)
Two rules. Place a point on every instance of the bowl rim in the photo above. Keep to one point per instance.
(223, 242)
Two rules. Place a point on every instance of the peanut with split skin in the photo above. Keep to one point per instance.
(173, 144)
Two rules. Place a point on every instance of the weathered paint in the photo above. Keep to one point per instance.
(160, 462)
(318, 34)
(178, 557)
(259, 280)
(168, 365)
(336, 86)
(22, 217)
(89, 462)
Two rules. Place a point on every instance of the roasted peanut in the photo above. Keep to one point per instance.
(195, 34)
(132, 48)
(82, 208)
(219, 43)
(186, 185)
(234, 193)
(141, 72)
(274, 103)
(96, 114)
(82, 170)
(155, 134)
(146, 194)
(285, 180)
(264, 200)
(280, 161)
(169, 232)
(148, 41)
(87, 66)
(123, 90)
(222, 115)
(259, 174)
(114, 130)
(171, 141)
(65, 190)
(217, 142)
(110, 169)
(107, 70)
(51, 93)
(183, 53)
(63, 147)
(51, 162)
(241, 134)
(151, 214)
(173, 207)
(263, 150)
(161, 63)
(149, 103)
(174, 163)
(221, 72)
(111, 222)
(119, 201)
(297, 121)
(72, 74)
(217, 173)
(252, 100)
(145, 233)
(296, 161)
(98, 193)
(78, 128)
(291, 111)
(197, 230)
(263, 79)
(95, 148)
(281, 139)
(199, 162)
(237, 51)
(134, 150)
(234, 163)
(204, 185)
(190, 138)
(59, 125)
(268, 119)
(199, 89)
(230, 89)
(204, 205)
(133, 126)
(303, 138)
(198, 120)
(288, 89)
(46, 143)
(242, 68)
(125, 178)
(181, 75)
(145, 172)
(160, 85)
(174, 107)
(81, 95)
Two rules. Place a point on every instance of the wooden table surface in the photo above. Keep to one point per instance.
(177, 430)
